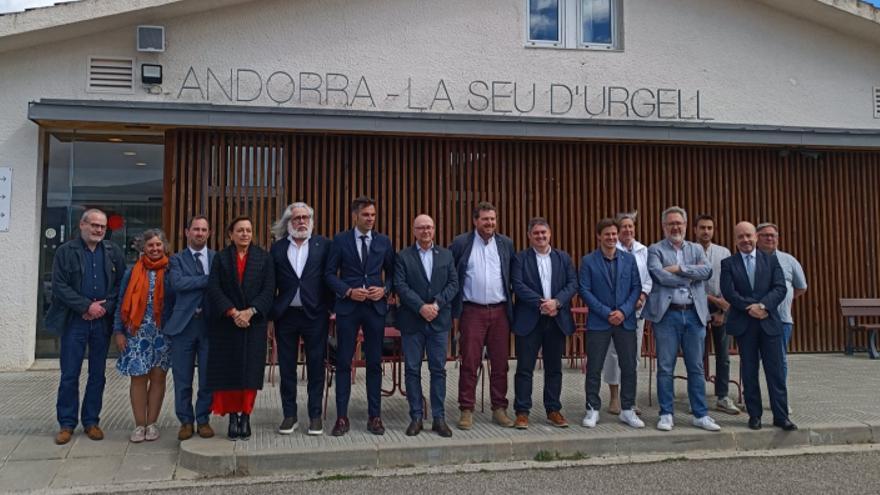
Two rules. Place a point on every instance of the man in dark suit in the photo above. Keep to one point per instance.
(426, 283)
(610, 285)
(188, 277)
(86, 274)
(301, 309)
(484, 308)
(544, 282)
(754, 285)
(358, 258)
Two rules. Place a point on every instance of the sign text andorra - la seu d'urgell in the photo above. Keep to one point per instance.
(482, 96)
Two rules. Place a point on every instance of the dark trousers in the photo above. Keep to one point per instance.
(373, 325)
(416, 343)
(756, 348)
(79, 335)
(722, 361)
(550, 341)
(188, 348)
(597, 348)
(292, 325)
(483, 326)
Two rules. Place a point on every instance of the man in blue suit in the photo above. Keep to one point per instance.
(426, 283)
(188, 277)
(301, 309)
(679, 310)
(610, 286)
(544, 282)
(754, 284)
(355, 266)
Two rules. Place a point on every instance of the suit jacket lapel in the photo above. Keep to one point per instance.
(417, 256)
(740, 266)
(314, 246)
(555, 272)
(435, 268)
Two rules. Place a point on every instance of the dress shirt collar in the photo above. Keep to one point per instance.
(477, 237)
(203, 251)
(293, 241)
(424, 251)
(358, 234)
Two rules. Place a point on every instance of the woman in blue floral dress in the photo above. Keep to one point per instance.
(144, 351)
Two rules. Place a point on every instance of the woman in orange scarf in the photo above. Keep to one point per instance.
(144, 352)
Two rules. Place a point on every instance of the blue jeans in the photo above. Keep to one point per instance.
(188, 348)
(79, 335)
(680, 329)
(415, 344)
(786, 338)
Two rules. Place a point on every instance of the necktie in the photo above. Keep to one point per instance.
(363, 251)
(200, 269)
(750, 269)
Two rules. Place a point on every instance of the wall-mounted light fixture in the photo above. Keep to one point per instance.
(151, 73)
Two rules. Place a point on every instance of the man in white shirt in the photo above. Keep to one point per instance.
(484, 310)
(705, 227)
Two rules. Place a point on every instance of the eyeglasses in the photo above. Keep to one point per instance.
(301, 218)
(98, 226)
(769, 236)
(424, 227)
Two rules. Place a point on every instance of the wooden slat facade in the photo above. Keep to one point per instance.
(827, 207)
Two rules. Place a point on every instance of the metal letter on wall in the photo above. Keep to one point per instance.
(5, 197)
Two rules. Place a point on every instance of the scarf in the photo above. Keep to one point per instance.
(134, 303)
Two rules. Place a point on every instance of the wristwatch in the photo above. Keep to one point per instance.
(761, 305)
(254, 310)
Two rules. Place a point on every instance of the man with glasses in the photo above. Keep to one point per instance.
(679, 310)
(86, 273)
(301, 309)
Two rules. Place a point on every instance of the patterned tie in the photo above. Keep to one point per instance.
(200, 269)
(750, 269)
(363, 251)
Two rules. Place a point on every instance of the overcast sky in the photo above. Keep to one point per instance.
(16, 5)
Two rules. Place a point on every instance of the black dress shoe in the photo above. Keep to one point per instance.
(754, 423)
(786, 425)
(341, 427)
(234, 431)
(441, 428)
(375, 426)
(244, 426)
(414, 428)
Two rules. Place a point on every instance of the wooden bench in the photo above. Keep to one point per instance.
(854, 310)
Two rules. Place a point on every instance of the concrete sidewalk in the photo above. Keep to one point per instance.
(833, 396)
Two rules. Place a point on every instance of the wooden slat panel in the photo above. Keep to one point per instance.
(827, 207)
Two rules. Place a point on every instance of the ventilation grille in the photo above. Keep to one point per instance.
(110, 75)
(877, 102)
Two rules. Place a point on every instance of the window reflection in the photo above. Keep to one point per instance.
(596, 21)
(544, 20)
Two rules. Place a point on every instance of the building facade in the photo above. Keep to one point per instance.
(571, 109)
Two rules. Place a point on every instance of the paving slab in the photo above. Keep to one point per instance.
(115, 443)
(28, 475)
(8, 444)
(39, 447)
(87, 471)
(843, 433)
(146, 467)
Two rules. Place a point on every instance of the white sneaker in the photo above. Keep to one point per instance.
(725, 404)
(706, 423)
(590, 419)
(665, 423)
(137, 436)
(630, 417)
(151, 433)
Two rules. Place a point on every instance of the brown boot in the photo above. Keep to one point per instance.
(522, 421)
(185, 432)
(94, 432)
(466, 422)
(500, 417)
(557, 419)
(205, 430)
(63, 436)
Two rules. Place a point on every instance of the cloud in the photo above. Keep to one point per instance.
(20, 5)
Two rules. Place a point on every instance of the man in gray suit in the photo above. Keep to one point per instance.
(426, 282)
(678, 308)
(188, 272)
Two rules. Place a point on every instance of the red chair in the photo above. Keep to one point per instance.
(578, 338)
(272, 352)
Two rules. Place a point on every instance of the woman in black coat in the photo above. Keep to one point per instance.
(240, 290)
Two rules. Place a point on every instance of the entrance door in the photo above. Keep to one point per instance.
(119, 174)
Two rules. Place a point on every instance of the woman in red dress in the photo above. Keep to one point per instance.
(240, 291)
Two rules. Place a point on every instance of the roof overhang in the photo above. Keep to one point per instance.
(74, 19)
(161, 116)
(851, 17)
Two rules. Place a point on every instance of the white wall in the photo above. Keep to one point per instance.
(751, 64)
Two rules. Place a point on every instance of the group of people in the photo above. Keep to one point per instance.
(213, 308)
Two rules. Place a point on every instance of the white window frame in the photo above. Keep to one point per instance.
(571, 28)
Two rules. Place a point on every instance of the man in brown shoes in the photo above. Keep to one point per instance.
(186, 431)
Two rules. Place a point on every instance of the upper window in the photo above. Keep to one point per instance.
(590, 24)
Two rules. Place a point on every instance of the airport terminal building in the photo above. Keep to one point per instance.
(155, 110)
